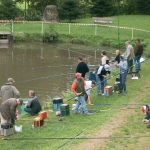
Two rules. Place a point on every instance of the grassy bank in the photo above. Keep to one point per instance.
(84, 125)
(88, 34)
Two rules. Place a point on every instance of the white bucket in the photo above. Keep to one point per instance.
(18, 128)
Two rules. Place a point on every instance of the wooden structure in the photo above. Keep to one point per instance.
(103, 20)
(6, 37)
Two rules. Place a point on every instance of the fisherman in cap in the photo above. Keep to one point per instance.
(8, 111)
(9, 91)
(78, 87)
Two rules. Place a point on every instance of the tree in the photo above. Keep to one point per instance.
(143, 7)
(69, 9)
(102, 8)
(8, 10)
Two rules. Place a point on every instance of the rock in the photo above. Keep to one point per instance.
(51, 14)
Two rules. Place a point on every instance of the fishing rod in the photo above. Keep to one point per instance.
(70, 139)
(109, 78)
(75, 51)
(32, 68)
(78, 138)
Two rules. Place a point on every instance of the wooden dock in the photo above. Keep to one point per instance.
(6, 37)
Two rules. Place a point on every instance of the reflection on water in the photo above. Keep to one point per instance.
(46, 69)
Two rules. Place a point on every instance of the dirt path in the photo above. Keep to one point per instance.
(112, 126)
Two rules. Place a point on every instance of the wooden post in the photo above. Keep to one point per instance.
(42, 26)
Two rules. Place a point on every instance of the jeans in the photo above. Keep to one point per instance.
(81, 101)
(103, 82)
(30, 111)
(130, 65)
(98, 84)
(137, 62)
(123, 81)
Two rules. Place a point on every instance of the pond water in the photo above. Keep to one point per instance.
(48, 69)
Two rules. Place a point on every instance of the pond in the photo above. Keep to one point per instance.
(48, 69)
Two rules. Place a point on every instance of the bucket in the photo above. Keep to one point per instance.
(18, 128)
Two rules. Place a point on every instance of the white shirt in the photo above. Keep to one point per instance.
(88, 87)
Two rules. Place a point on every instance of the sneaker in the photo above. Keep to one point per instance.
(103, 94)
(119, 92)
(125, 92)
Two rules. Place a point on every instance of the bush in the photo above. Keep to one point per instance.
(51, 34)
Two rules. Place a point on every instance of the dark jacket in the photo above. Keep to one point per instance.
(117, 58)
(82, 68)
(103, 72)
(34, 104)
(148, 113)
(8, 109)
(8, 91)
(138, 49)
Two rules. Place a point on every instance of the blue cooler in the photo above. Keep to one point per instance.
(92, 76)
(57, 102)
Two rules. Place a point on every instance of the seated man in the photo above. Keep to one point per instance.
(33, 106)
(146, 110)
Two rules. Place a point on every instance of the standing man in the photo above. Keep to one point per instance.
(103, 73)
(82, 67)
(78, 87)
(138, 51)
(8, 90)
(8, 110)
(129, 56)
(33, 106)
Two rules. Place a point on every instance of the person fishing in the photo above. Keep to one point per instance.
(123, 74)
(78, 87)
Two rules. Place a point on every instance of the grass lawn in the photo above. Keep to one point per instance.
(88, 34)
(88, 125)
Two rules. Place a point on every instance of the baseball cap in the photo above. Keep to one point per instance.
(78, 75)
(107, 67)
(10, 80)
(144, 109)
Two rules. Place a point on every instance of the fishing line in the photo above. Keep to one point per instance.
(44, 78)
(79, 138)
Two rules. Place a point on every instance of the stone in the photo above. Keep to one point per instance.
(51, 14)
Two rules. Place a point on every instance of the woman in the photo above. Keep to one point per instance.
(117, 58)
(123, 73)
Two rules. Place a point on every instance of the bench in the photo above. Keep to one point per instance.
(103, 20)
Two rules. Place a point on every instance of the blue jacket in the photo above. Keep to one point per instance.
(122, 65)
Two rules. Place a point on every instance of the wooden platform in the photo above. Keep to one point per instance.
(6, 37)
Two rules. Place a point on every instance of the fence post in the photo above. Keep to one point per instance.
(95, 53)
(11, 30)
(95, 29)
(69, 28)
(42, 27)
(132, 33)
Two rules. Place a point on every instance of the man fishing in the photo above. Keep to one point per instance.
(78, 87)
